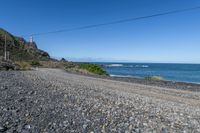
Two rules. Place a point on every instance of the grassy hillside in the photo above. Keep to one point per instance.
(85, 68)
(16, 47)
(26, 55)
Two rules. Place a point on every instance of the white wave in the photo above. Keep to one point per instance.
(115, 65)
(143, 66)
(112, 75)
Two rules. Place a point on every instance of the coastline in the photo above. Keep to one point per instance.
(195, 87)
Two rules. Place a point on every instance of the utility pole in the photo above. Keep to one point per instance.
(5, 49)
(8, 55)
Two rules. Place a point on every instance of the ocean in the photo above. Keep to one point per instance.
(172, 72)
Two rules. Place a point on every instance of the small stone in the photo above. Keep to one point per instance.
(2, 128)
(25, 131)
(60, 125)
(130, 128)
(4, 88)
(163, 130)
(31, 92)
(144, 124)
(103, 129)
(27, 126)
(137, 130)
(65, 122)
(5, 109)
(131, 118)
(127, 131)
(85, 126)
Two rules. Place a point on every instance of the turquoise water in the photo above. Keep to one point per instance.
(174, 72)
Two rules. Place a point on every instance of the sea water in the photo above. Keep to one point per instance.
(173, 72)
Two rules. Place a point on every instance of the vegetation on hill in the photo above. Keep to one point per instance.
(23, 65)
(93, 68)
(19, 49)
(25, 55)
(35, 63)
(85, 68)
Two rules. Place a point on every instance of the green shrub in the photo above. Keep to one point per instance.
(93, 68)
(69, 65)
(35, 63)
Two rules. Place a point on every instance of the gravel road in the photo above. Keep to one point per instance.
(51, 101)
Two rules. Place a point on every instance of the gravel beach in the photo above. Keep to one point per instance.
(54, 101)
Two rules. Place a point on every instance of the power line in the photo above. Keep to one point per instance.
(5, 49)
(116, 22)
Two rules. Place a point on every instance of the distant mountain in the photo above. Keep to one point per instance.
(19, 49)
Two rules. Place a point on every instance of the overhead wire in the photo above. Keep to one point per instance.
(114, 22)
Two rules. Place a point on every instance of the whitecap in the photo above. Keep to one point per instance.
(115, 65)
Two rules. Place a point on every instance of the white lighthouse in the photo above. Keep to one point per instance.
(31, 40)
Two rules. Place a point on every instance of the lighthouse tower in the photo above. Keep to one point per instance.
(31, 40)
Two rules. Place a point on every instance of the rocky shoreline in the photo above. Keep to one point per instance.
(51, 100)
(159, 83)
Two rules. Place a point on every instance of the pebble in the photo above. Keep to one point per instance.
(2, 128)
(27, 126)
(131, 118)
(65, 102)
(85, 126)
(25, 131)
(137, 130)
(163, 130)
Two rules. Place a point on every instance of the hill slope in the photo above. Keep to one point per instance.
(20, 49)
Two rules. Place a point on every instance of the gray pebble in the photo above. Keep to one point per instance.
(3, 128)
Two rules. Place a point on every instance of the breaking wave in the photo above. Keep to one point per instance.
(143, 66)
(115, 65)
(127, 65)
(125, 76)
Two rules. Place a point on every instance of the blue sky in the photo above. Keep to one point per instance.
(171, 38)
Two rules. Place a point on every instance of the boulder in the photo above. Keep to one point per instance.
(8, 65)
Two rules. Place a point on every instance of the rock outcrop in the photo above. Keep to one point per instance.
(8, 65)
(20, 49)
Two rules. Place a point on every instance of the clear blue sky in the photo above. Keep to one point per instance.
(171, 38)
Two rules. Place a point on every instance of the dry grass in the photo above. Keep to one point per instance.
(155, 78)
(23, 65)
(52, 64)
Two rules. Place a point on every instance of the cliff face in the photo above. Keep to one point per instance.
(20, 49)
